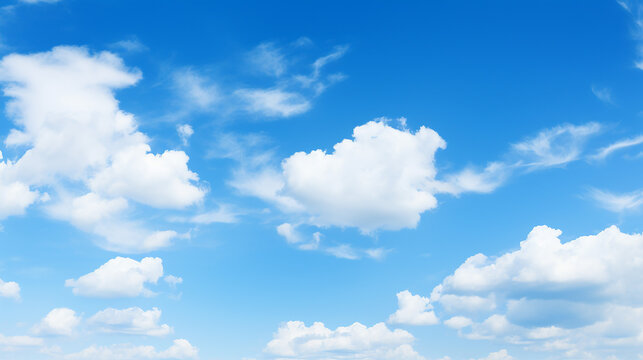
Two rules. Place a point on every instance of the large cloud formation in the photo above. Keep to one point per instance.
(575, 296)
(71, 136)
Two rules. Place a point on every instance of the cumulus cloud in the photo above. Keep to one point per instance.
(586, 293)
(9, 289)
(181, 349)
(413, 310)
(295, 340)
(132, 320)
(72, 131)
(119, 277)
(60, 321)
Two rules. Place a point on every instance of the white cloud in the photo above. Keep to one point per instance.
(314, 80)
(602, 94)
(119, 277)
(75, 137)
(585, 293)
(181, 349)
(9, 289)
(621, 144)
(185, 132)
(413, 310)
(60, 321)
(158, 180)
(20, 341)
(196, 90)
(556, 146)
(132, 320)
(617, 202)
(273, 102)
(498, 355)
(295, 340)
(130, 45)
(172, 280)
(268, 59)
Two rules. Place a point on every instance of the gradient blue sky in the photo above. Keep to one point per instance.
(537, 103)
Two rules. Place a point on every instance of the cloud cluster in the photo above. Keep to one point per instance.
(181, 349)
(295, 340)
(132, 320)
(60, 321)
(74, 138)
(549, 295)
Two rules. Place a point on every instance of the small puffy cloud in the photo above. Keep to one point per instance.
(15, 196)
(132, 320)
(181, 349)
(185, 131)
(295, 340)
(617, 202)
(273, 102)
(582, 294)
(119, 277)
(413, 310)
(172, 280)
(604, 152)
(60, 321)
(9, 289)
(556, 146)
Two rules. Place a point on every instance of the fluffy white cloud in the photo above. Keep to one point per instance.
(9, 289)
(181, 349)
(60, 321)
(119, 277)
(273, 102)
(382, 178)
(75, 138)
(172, 280)
(413, 310)
(158, 180)
(295, 340)
(132, 320)
(550, 295)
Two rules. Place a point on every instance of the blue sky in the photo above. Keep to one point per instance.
(366, 180)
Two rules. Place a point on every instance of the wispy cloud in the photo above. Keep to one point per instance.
(273, 102)
(132, 44)
(617, 202)
(619, 145)
(602, 94)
